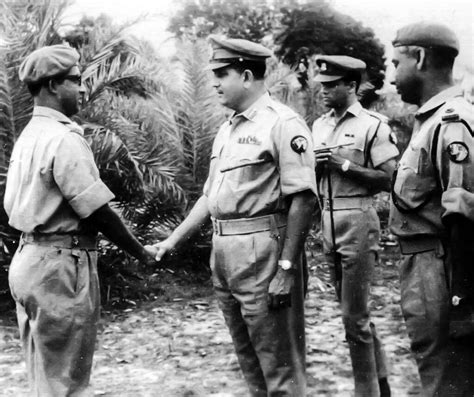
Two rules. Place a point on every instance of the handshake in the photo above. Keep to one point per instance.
(157, 251)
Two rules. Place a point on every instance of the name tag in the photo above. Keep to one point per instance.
(249, 140)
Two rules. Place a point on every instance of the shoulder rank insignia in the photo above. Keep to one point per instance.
(457, 152)
(299, 144)
(449, 115)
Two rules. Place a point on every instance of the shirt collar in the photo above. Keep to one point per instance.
(439, 100)
(43, 111)
(253, 109)
(355, 109)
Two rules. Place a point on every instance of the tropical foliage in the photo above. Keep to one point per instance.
(296, 32)
(150, 122)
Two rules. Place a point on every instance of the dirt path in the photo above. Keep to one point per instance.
(182, 348)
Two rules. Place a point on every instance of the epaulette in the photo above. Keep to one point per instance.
(378, 116)
(450, 115)
(283, 111)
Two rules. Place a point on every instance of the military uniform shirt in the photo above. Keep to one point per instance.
(435, 177)
(53, 181)
(258, 158)
(357, 127)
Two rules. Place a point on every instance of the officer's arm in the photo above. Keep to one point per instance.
(377, 179)
(197, 218)
(107, 221)
(455, 164)
(299, 222)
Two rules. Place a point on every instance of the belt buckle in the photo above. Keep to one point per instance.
(74, 241)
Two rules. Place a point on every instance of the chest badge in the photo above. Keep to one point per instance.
(457, 152)
(299, 144)
(249, 140)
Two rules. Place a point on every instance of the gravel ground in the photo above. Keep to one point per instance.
(181, 347)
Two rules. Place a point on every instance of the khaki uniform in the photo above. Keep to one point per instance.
(52, 184)
(256, 164)
(433, 181)
(357, 229)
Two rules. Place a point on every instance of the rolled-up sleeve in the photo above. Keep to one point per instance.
(455, 163)
(77, 176)
(295, 156)
(384, 148)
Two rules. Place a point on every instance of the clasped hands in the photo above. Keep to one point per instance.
(158, 250)
(279, 290)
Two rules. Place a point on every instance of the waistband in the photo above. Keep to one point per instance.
(82, 241)
(418, 244)
(348, 203)
(230, 227)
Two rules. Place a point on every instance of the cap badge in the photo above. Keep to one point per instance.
(323, 67)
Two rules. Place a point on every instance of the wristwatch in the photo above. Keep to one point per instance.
(285, 264)
(345, 166)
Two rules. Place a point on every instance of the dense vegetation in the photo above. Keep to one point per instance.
(151, 121)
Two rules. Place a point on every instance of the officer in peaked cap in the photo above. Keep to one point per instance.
(259, 194)
(226, 52)
(431, 212)
(335, 67)
(348, 178)
(55, 197)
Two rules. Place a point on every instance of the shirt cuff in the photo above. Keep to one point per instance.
(384, 156)
(91, 199)
(458, 201)
(298, 181)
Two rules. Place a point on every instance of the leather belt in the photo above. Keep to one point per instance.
(418, 244)
(59, 240)
(229, 227)
(348, 203)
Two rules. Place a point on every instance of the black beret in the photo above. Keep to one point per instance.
(47, 62)
(427, 34)
(335, 67)
(230, 51)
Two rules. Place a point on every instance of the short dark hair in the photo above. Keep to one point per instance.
(258, 68)
(442, 57)
(353, 76)
(439, 57)
(35, 88)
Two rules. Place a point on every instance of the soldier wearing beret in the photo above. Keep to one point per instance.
(432, 212)
(259, 196)
(348, 176)
(55, 197)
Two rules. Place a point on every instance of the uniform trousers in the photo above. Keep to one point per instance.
(357, 234)
(445, 364)
(57, 300)
(270, 344)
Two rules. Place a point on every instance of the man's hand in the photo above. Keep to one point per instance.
(279, 291)
(160, 249)
(328, 158)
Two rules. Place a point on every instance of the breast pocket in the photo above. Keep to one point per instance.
(247, 171)
(354, 151)
(415, 182)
